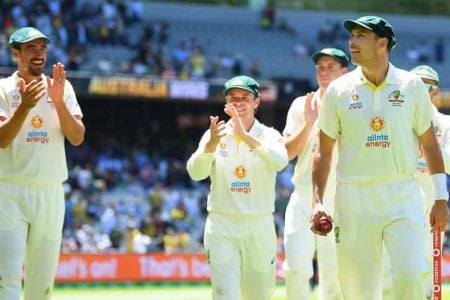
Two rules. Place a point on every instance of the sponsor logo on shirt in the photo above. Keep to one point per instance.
(354, 102)
(15, 99)
(396, 98)
(377, 139)
(223, 149)
(37, 136)
(240, 185)
(422, 166)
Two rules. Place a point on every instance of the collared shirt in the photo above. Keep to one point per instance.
(242, 179)
(377, 128)
(37, 154)
(302, 178)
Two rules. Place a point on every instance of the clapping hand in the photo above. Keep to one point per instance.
(217, 131)
(56, 86)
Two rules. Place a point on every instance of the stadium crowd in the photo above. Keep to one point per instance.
(128, 198)
(125, 199)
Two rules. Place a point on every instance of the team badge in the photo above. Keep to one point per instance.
(354, 102)
(240, 172)
(37, 122)
(396, 98)
(223, 149)
(376, 124)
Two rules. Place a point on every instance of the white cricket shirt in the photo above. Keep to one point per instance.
(37, 154)
(242, 179)
(302, 178)
(376, 127)
(441, 124)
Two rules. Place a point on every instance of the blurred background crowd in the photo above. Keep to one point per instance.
(135, 196)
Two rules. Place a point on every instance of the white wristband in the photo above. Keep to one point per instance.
(440, 186)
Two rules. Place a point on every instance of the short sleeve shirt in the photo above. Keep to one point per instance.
(37, 153)
(377, 128)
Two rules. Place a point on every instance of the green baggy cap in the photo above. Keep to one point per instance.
(376, 24)
(335, 53)
(26, 34)
(425, 71)
(242, 82)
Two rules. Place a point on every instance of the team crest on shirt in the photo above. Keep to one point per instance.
(378, 139)
(240, 172)
(240, 185)
(223, 149)
(376, 124)
(15, 98)
(37, 122)
(396, 98)
(355, 103)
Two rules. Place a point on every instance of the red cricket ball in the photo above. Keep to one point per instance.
(324, 226)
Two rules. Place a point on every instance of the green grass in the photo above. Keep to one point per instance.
(157, 292)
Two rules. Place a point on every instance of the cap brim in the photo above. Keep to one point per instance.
(47, 40)
(350, 24)
(225, 91)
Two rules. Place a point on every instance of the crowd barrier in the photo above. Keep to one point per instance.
(155, 267)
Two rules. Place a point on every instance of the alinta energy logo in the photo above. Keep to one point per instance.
(37, 136)
(240, 185)
(377, 139)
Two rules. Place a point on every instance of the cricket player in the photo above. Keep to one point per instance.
(241, 157)
(37, 113)
(301, 139)
(378, 114)
(441, 124)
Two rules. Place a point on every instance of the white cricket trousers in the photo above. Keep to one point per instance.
(300, 244)
(31, 220)
(241, 252)
(366, 216)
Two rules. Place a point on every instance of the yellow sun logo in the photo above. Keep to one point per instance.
(37, 122)
(240, 172)
(376, 123)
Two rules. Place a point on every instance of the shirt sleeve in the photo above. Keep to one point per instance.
(295, 116)
(199, 164)
(273, 150)
(71, 100)
(328, 118)
(423, 109)
(4, 109)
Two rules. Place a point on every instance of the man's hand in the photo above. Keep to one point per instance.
(318, 213)
(311, 109)
(217, 131)
(439, 215)
(31, 92)
(56, 86)
(236, 123)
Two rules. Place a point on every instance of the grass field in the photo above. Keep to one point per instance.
(157, 292)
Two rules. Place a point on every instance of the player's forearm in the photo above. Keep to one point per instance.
(251, 141)
(71, 126)
(9, 128)
(320, 172)
(296, 143)
(434, 160)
